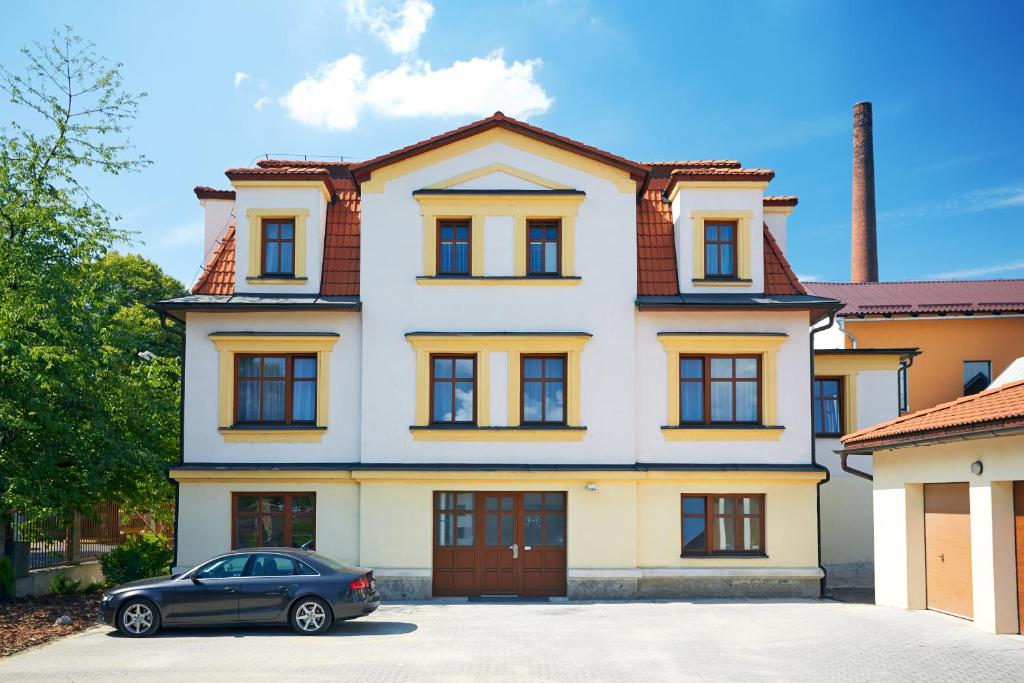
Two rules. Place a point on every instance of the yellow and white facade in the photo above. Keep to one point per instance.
(614, 475)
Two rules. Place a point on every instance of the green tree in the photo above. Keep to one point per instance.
(82, 416)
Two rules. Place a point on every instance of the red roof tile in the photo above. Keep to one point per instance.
(998, 407)
(218, 276)
(696, 163)
(780, 200)
(282, 173)
(341, 243)
(656, 272)
(204, 192)
(910, 298)
(364, 169)
(779, 278)
(301, 163)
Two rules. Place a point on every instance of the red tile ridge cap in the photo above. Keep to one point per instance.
(780, 200)
(698, 163)
(205, 192)
(299, 163)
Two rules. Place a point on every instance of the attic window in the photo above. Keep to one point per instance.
(720, 249)
(278, 247)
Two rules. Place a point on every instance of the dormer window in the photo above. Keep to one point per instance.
(720, 249)
(544, 248)
(278, 247)
(454, 248)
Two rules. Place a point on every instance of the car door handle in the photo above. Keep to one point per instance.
(230, 589)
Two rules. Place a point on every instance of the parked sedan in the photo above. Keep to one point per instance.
(254, 586)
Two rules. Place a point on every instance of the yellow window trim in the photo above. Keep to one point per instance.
(744, 244)
(717, 185)
(482, 345)
(256, 218)
(476, 207)
(228, 345)
(713, 434)
(849, 367)
(278, 280)
(497, 168)
(765, 345)
(497, 281)
(285, 184)
(491, 434)
(380, 177)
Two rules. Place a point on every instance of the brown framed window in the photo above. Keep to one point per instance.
(543, 389)
(453, 389)
(272, 520)
(828, 406)
(720, 249)
(716, 524)
(277, 389)
(279, 247)
(719, 389)
(453, 518)
(454, 247)
(544, 248)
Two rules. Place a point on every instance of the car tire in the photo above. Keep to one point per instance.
(311, 616)
(138, 618)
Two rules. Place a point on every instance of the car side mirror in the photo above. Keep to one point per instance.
(195, 580)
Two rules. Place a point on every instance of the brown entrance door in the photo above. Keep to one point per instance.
(947, 543)
(1018, 521)
(499, 543)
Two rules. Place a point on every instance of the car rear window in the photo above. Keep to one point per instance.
(328, 562)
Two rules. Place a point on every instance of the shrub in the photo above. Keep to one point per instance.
(8, 583)
(94, 587)
(62, 584)
(139, 557)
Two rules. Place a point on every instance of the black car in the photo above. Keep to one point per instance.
(253, 586)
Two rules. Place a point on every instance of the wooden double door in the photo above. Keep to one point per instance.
(499, 543)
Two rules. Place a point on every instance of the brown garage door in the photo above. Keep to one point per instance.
(1018, 517)
(947, 543)
(499, 543)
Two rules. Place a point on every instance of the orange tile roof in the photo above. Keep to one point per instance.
(204, 192)
(656, 271)
(218, 276)
(318, 172)
(340, 275)
(779, 278)
(780, 200)
(697, 163)
(995, 408)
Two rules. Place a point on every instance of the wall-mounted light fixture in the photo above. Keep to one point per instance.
(977, 467)
(591, 487)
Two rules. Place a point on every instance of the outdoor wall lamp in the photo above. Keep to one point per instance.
(591, 487)
(977, 467)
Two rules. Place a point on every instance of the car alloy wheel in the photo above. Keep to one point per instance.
(138, 619)
(310, 617)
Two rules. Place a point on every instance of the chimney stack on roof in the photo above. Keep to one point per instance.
(864, 247)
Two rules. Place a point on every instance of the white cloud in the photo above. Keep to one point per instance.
(261, 102)
(974, 201)
(808, 278)
(400, 28)
(982, 271)
(241, 77)
(337, 94)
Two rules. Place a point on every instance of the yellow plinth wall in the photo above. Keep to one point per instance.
(628, 529)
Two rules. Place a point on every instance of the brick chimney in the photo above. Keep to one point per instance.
(864, 247)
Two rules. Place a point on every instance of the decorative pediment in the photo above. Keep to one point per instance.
(497, 177)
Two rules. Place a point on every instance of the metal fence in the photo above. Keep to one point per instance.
(57, 540)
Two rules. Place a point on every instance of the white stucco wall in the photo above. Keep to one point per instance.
(688, 200)
(601, 304)
(776, 222)
(217, 215)
(203, 443)
(793, 367)
(270, 197)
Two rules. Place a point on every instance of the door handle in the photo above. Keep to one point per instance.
(230, 589)
(527, 547)
(515, 551)
(942, 557)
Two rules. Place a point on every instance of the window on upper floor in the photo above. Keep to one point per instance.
(730, 524)
(275, 389)
(273, 520)
(720, 249)
(544, 248)
(278, 247)
(453, 390)
(977, 376)
(454, 247)
(828, 406)
(719, 389)
(543, 392)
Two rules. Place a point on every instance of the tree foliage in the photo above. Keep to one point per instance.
(82, 416)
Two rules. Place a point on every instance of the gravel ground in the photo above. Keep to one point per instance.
(568, 641)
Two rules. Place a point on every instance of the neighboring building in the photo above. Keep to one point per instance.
(968, 331)
(500, 361)
(853, 389)
(949, 507)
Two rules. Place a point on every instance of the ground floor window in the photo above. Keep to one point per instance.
(722, 524)
(278, 520)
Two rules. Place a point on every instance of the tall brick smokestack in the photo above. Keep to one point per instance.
(864, 249)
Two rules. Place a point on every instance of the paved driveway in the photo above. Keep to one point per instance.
(799, 640)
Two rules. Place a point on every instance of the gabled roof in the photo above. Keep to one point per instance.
(340, 275)
(993, 409)
(656, 271)
(218, 276)
(913, 298)
(285, 173)
(779, 278)
(364, 169)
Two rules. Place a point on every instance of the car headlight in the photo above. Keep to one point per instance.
(107, 597)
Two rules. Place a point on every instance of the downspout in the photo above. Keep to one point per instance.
(814, 456)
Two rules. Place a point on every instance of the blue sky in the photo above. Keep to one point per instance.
(769, 83)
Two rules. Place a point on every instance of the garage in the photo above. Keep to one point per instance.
(947, 540)
(499, 543)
